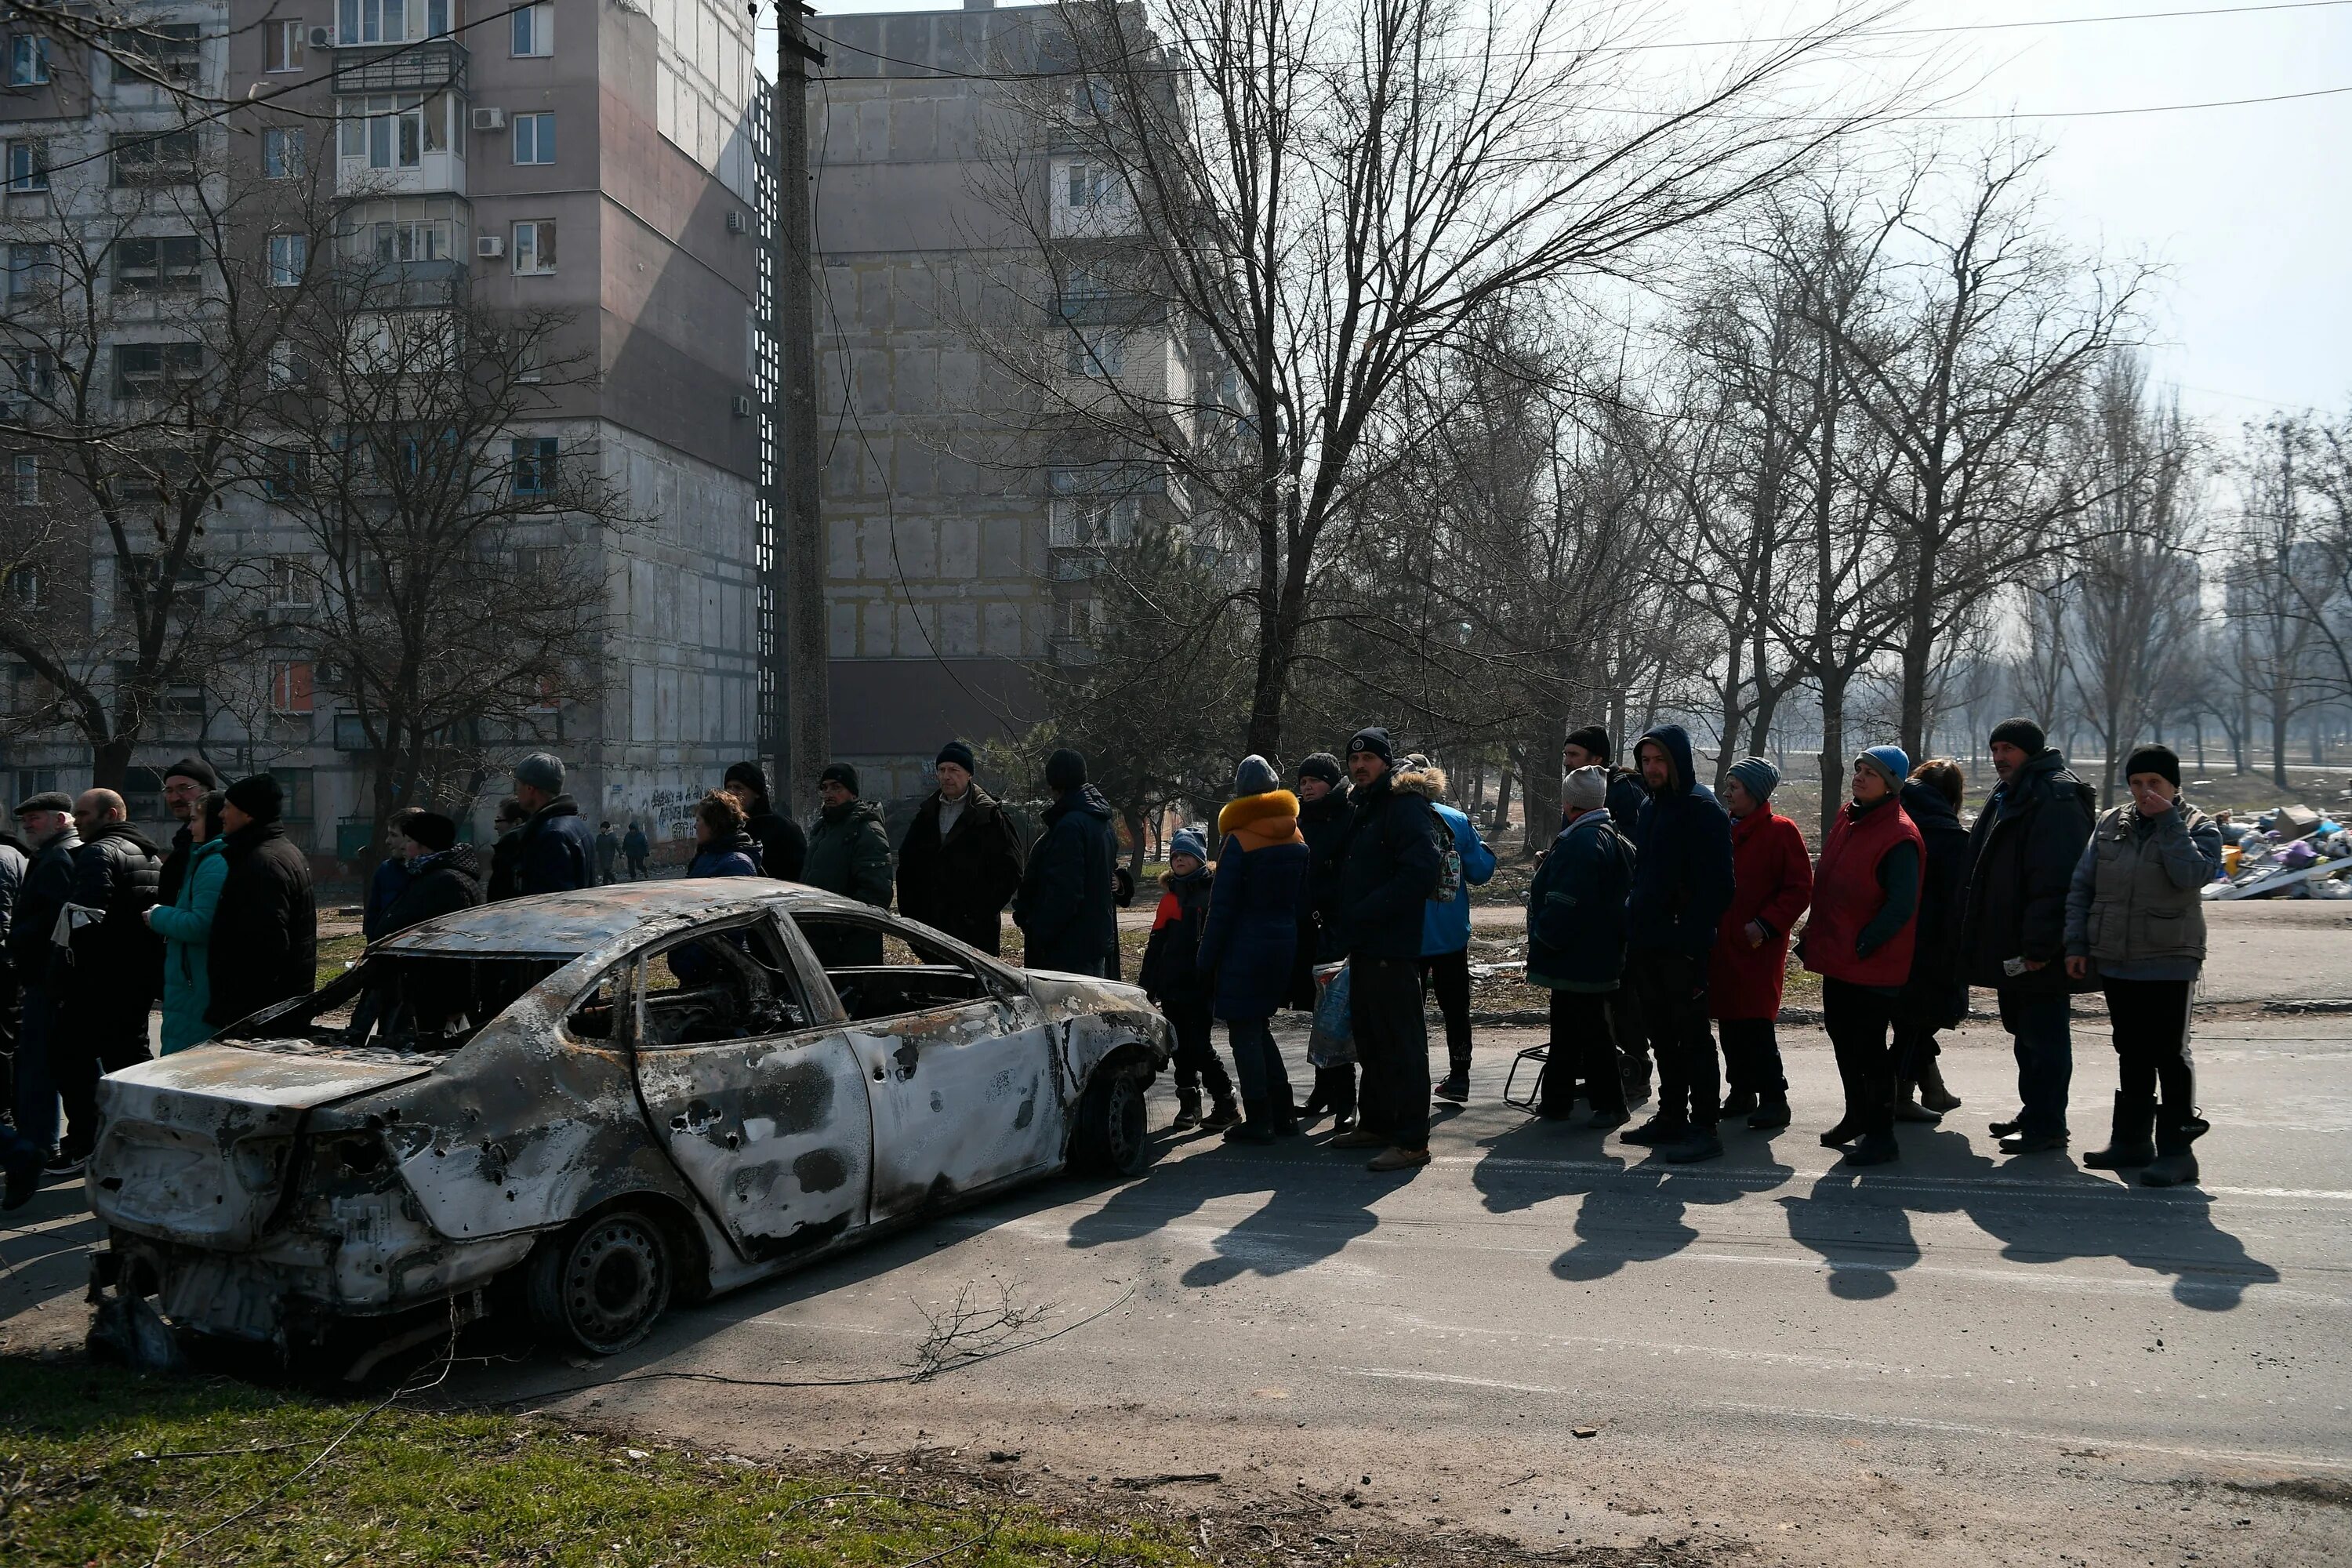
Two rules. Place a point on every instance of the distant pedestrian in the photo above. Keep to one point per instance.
(115, 966)
(1682, 885)
(1445, 924)
(2136, 917)
(636, 850)
(1859, 940)
(390, 876)
(187, 783)
(1589, 746)
(849, 854)
(2022, 852)
(1936, 997)
(265, 940)
(185, 924)
(1323, 818)
(444, 875)
(608, 855)
(1172, 977)
(783, 848)
(1260, 882)
(47, 823)
(555, 852)
(1064, 907)
(506, 850)
(722, 845)
(1392, 866)
(960, 862)
(1772, 883)
(1576, 950)
(16, 859)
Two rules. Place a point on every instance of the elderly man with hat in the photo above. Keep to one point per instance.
(960, 862)
(1576, 950)
(1064, 909)
(555, 850)
(1392, 866)
(2022, 852)
(185, 785)
(783, 848)
(47, 823)
(264, 948)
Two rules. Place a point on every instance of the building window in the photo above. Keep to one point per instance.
(289, 580)
(288, 44)
(28, 60)
(290, 686)
(289, 257)
(25, 587)
(285, 476)
(1097, 353)
(396, 132)
(27, 470)
(534, 30)
(413, 240)
(32, 269)
(281, 153)
(167, 51)
(150, 158)
(35, 372)
(534, 246)
(29, 165)
(155, 370)
(534, 139)
(534, 465)
(1089, 184)
(288, 367)
(167, 264)
(391, 21)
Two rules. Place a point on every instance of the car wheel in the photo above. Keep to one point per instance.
(1112, 1126)
(601, 1285)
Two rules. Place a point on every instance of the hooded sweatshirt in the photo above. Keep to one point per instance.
(1065, 909)
(1682, 866)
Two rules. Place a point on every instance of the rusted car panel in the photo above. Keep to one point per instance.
(673, 1050)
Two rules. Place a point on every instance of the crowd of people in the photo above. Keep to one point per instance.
(1660, 919)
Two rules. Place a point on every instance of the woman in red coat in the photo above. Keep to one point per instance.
(1772, 883)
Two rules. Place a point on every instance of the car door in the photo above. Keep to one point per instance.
(962, 1079)
(755, 1089)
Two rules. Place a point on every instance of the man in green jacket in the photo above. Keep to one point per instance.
(849, 854)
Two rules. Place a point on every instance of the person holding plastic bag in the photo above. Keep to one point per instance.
(1576, 950)
(1254, 904)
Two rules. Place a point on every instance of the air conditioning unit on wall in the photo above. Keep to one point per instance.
(490, 118)
(734, 223)
(488, 246)
(742, 406)
(322, 38)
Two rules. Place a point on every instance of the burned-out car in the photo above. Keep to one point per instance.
(593, 1102)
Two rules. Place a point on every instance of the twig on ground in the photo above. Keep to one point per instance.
(1138, 1483)
(969, 1329)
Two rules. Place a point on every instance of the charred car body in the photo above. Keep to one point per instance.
(601, 1100)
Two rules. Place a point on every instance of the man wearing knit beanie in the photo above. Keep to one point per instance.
(1391, 867)
(264, 942)
(555, 850)
(185, 785)
(960, 859)
(1066, 908)
(2021, 856)
(783, 848)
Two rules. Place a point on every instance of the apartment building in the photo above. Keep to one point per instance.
(962, 533)
(597, 160)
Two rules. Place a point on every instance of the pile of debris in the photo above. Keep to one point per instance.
(2294, 852)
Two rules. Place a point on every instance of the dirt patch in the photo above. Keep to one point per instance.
(2322, 1492)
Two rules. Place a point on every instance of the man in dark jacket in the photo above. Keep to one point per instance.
(608, 855)
(442, 875)
(555, 850)
(390, 878)
(849, 854)
(2021, 856)
(265, 939)
(1682, 885)
(1064, 908)
(1590, 747)
(783, 848)
(506, 849)
(113, 961)
(1935, 997)
(1390, 867)
(634, 848)
(1576, 949)
(1324, 815)
(47, 823)
(185, 785)
(959, 863)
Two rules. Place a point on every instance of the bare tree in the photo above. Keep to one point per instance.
(2265, 596)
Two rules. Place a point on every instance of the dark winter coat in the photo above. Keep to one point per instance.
(1682, 871)
(118, 960)
(506, 860)
(634, 846)
(849, 853)
(1772, 881)
(439, 884)
(1324, 824)
(961, 884)
(557, 852)
(384, 888)
(1936, 996)
(2021, 856)
(1253, 905)
(1391, 868)
(1064, 908)
(48, 884)
(1576, 908)
(1171, 973)
(175, 874)
(265, 941)
(737, 854)
(783, 848)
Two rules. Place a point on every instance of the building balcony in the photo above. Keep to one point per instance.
(436, 65)
(436, 173)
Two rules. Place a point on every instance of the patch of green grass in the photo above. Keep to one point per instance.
(101, 1466)
(336, 951)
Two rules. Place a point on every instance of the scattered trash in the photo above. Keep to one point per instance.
(127, 1331)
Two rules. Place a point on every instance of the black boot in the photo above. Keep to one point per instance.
(1659, 1129)
(1771, 1111)
(1457, 1087)
(1741, 1102)
(1188, 1109)
(2130, 1142)
(1222, 1115)
(1846, 1129)
(2175, 1165)
(1873, 1148)
(1256, 1126)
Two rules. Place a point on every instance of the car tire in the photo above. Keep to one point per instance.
(601, 1284)
(1113, 1133)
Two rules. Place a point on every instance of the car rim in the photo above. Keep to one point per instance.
(616, 1286)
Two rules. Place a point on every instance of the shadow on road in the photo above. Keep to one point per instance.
(1306, 1218)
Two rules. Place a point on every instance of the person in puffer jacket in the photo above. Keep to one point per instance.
(185, 924)
(723, 845)
(1172, 977)
(1254, 904)
(1445, 924)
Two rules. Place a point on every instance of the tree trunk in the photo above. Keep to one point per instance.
(1541, 795)
(1502, 817)
(1833, 752)
(110, 760)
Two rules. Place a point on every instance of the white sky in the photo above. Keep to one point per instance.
(2249, 209)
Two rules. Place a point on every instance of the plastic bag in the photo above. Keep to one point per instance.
(1332, 1039)
(2298, 854)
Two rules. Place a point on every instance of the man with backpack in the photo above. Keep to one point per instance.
(1391, 866)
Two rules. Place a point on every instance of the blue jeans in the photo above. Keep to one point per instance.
(37, 1081)
(2045, 1044)
(1265, 1082)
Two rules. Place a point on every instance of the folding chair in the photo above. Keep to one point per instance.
(1539, 1055)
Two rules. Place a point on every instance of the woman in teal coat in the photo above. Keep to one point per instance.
(186, 926)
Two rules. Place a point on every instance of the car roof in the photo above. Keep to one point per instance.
(589, 919)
